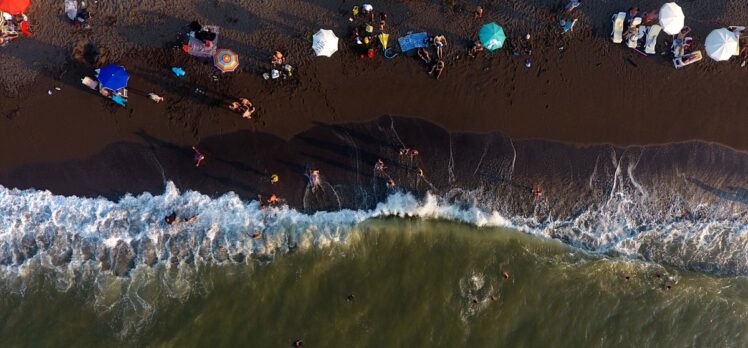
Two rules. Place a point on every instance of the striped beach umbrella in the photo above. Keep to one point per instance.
(492, 36)
(226, 60)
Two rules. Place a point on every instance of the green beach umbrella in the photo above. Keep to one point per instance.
(492, 36)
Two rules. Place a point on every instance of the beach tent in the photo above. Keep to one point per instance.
(413, 41)
(14, 7)
(492, 36)
(113, 77)
(226, 60)
(672, 18)
(324, 43)
(721, 44)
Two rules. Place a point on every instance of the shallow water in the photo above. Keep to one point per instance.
(415, 283)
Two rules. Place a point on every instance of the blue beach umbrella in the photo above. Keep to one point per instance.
(113, 77)
(492, 36)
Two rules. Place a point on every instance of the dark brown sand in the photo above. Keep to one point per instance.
(589, 92)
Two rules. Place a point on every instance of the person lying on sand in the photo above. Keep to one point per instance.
(440, 42)
(155, 97)
(249, 108)
(437, 69)
(424, 54)
(7, 37)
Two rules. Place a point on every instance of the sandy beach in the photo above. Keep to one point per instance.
(581, 90)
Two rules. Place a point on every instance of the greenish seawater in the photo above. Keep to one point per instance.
(414, 284)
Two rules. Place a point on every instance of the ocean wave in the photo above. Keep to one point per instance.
(63, 233)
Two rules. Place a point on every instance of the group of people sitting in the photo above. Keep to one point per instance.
(278, 67)
(436, 66)
(243, 107)
(11, 25)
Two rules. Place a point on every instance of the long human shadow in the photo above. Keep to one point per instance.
(735, 194)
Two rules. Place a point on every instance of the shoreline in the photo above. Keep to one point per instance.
(589, 94)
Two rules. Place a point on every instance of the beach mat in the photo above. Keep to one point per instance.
(413, 41)
(196, 47)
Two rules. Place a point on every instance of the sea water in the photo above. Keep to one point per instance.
(396, 282)
(412, 271)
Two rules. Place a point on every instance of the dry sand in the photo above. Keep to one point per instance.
(591, 92)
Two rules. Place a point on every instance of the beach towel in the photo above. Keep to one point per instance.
(413, 41)
(651, 42)
(617, 33)
(119, 100)
(198, 49)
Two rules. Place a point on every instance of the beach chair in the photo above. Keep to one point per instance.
(652, 33)
(687, 59)
(90, 83)
(632, 40)
(617, 33)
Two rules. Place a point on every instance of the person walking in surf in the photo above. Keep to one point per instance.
(314, 180)
(199, 157)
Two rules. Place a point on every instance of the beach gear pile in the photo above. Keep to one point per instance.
(369, 32)
(640, 33)
(13, 20)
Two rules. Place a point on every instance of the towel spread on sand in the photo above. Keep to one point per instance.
(197, 48)
(413, 41)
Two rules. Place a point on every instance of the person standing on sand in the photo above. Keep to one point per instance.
(199, 157)
(478, 12)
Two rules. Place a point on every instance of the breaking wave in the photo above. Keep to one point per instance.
(70, 234)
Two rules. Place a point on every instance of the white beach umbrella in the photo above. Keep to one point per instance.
(721, 44)
(325, 43)
(672, 18)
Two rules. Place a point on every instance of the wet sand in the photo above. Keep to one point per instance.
(591, 92)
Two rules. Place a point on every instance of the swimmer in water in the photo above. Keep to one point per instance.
(505, 275)
(391, 183)
(171, 218)
(257, 235)
(379, 166)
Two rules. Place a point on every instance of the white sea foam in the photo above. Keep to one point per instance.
(115, 237)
